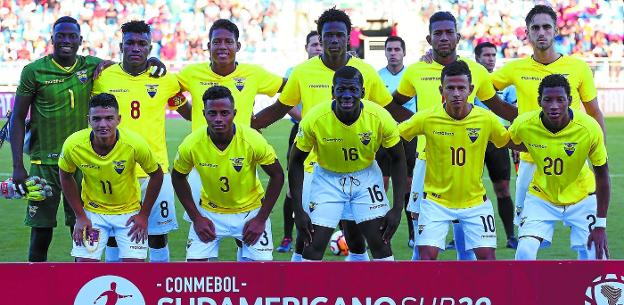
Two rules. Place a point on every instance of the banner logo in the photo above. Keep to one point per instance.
(109, 289)
(605, 290)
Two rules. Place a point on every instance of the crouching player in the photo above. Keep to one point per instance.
(457, 135)
(232, 201)
(563, 188)
(346, 133)
(111, 197)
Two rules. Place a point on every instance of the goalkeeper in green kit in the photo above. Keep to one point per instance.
(55, 90)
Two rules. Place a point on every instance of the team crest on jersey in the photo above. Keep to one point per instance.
(120, 166)
(239, 82)
(82, 76)
(365, 137)
(237, 163)
(312, 206)
(569, 148)
(32, 210)
(151, 90)
(473, 133)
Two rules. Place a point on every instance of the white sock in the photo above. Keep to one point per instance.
(527, 248)
(357, 257)
(415, 254)
(159, 255)
(239, 254)
(296, 257)
(112, 255)
(388, 259)
(309, 260)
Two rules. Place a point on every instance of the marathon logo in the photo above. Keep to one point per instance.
(120, 166)
(569, 148)
(189, 242)
(421, 228)
(365, 137)
(239, 82)
(237, 163)
(312, 206)
(473, 133)
(32, 210)
(94, 205)
(151, 90)
(82, 76)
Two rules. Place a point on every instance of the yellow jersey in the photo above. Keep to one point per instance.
(456, 152)
(526, 74)
(311, 81)
(109, 184)
(229, 181)
(142, 103)
(346, 148)
(562, 176)
(245, 82)
(423, 81)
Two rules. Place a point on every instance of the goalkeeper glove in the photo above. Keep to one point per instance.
(34, 189)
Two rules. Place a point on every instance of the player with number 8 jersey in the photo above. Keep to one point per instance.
(232, 201)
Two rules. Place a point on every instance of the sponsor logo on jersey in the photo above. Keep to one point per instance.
(541, 146)
(151, 90)
(473, 133)
(209, 84)
(118, 90)
(209, 165)
(119, 166)
(605, 290)
(318, 86)
(32, 210)
(53, 81)
(93, 204)
(82, 76)
(332, 140)
(89, 166)
(117, 290)
(531, 78)
(365, 137)
(569, 148)
(237, 163)
(537, 189)
(377, 206)
(239, 82)
(443, 133)
(430, 78)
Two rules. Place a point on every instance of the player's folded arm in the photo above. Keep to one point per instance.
(270, 115)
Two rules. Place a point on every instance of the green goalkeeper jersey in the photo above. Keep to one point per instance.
(60, 103)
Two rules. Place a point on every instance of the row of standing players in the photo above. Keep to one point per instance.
(223, 210)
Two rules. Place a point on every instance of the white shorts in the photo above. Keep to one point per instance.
(418, 185)
(539, 218)
(112, 225)
(194, 181)
(525, 175)
(305, 198)
(360, 192)
(478, 224)
(230, 225)
(162, 219)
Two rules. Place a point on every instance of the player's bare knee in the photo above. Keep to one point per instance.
(428, 253)
(157, 241)
(485, 253)
(501, 188)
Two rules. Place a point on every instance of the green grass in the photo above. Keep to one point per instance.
(14, 236)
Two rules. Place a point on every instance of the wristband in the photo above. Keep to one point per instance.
(601, 222)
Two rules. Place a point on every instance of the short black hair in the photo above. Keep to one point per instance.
(310, 35)
(217, 92)
(105, 100)
(395, 38)
(136, 26)
(553, 81)
(540, 9)
(479, 48)
(459, 67)
(348, 72)
(442, 16)
(225, 25)
(65, 19)
(333, 15)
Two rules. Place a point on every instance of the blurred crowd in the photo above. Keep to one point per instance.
(593, 28)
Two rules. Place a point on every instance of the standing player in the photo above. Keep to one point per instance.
(457, 135)
(345, 133)
(233, 202)
(391, 75)
(313, 48)
(56, 89)
(142, 102)
(422, 80)
(561, 140)
(497, 159)
(110, 200)
(526, 73)
(245, 81)
(310, 84)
